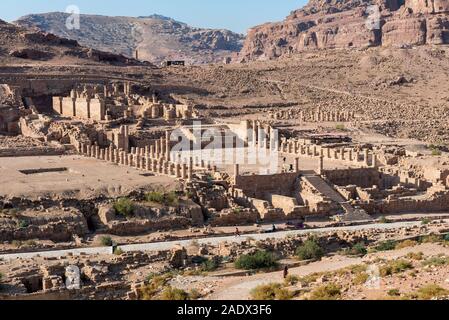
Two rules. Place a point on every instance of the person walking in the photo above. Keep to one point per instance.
(285, 272)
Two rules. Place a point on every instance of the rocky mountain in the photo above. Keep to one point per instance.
(156, 38)
(19, 44)
(339, 24)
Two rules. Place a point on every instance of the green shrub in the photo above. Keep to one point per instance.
(167, 199)
(211, 264)
(273, 291)
(310, 250)
(395, 267)
(22, 224)
(415, 256)
(437, 261)
(384, 220)
(432, 291)
(426, 221)
(326, 292)
(446, 237)
(258, 260)
(118, 252)
(432, 238)
(394, 293)
(106, 241)
(124, 207)
(174, 294)
(387, 245)
(436, 152)
(340, 127)
(358, 249)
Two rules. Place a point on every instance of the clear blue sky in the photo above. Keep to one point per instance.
(236, 15)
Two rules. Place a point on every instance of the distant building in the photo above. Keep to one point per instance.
(169, 63)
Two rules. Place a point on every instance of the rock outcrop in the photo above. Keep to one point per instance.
(21, 43)
(342, 24)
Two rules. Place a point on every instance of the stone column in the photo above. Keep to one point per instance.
(154, 165)
(296, 164)
(321, 165)
(366, 157)
(343, 154)
(255, 131)
(236, 170)
(167, 146)
(178, 171)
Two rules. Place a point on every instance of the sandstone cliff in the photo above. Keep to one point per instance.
(339, 24)
(156, 38)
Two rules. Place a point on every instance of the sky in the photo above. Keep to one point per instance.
(235, 15)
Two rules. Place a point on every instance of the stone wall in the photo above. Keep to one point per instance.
(361, 177)
(257, 186)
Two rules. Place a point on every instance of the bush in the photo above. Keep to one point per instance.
(211, 264)
(194, 294)
(167, 199)
(415, 256)
(174, 294)
(386, 245)
(384, 220)
(361, 278)
(394, 293)
(118, 252)
(154, 287)
(340, 127)
(432, 238)
(106, 241)
(310, 250)
(432, 291)
(327, 292)
(291, 280)
(437, 261)
(273, 291)
(358, 249)
(446, 237)
(395, 267)
(124, 207)
(258, 260)
(22, 224)
(406, 244)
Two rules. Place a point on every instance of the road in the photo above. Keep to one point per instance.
(158, 246)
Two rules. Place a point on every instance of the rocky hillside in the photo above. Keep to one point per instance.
(19, 44)
(156, 38)
(337, 24)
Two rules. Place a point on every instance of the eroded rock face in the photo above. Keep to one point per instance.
(350, 24)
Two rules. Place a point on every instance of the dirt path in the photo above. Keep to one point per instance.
(240, 288)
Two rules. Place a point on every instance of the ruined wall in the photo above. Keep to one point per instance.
(361, 177)
(257, 186)
(97, 109)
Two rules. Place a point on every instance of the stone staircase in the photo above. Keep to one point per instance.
(326, 189)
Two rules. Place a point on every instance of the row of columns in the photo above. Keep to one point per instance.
(343, 154)
(139, 158)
